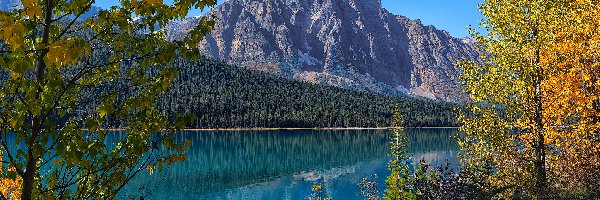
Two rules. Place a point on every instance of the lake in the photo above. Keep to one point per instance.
(286, 164)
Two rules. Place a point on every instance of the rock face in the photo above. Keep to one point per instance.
(348, 43)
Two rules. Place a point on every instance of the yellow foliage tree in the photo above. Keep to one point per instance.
(572, 94)
(534, 116)
(9, 188)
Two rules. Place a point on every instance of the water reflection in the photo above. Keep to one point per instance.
(284, 164)
(433, 145)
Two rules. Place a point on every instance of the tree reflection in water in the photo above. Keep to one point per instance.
(222, 162)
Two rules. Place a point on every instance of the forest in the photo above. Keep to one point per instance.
(220, 95)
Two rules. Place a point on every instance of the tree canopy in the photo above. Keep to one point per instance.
(534, 118)
(50, 55)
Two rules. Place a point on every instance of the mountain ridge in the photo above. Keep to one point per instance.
(347, 43)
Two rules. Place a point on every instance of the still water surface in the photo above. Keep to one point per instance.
(285, 164)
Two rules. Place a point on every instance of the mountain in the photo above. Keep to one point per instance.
(353, 44)
(94, 10)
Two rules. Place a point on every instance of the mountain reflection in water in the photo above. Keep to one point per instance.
(285, 164)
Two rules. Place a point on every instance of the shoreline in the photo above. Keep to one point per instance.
(297, 129)
(316, 129)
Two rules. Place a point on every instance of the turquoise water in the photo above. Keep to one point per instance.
(286, 164)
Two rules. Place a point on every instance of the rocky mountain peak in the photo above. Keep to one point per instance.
(353, 44)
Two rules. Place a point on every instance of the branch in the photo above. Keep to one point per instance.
(80, 75)
(87, 7)
(59, 18)
(10, 156)
(132, 175)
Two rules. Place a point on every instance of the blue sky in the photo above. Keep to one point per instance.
(450, 15)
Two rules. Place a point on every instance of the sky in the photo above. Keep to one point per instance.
(451, 15)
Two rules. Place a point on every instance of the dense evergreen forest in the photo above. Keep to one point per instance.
(225, 96)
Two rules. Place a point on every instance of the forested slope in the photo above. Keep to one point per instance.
(226, 96)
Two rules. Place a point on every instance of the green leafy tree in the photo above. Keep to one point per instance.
(504, 127)
(50, 55)
(399, 182)
(534, 96)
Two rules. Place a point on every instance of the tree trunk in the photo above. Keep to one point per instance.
(540, 168)
(31, 168)
(29, 178)
(539, 144)
(540, 151)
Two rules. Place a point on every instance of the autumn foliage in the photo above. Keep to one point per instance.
(572, 95)
(534, 121)
(9, 188)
